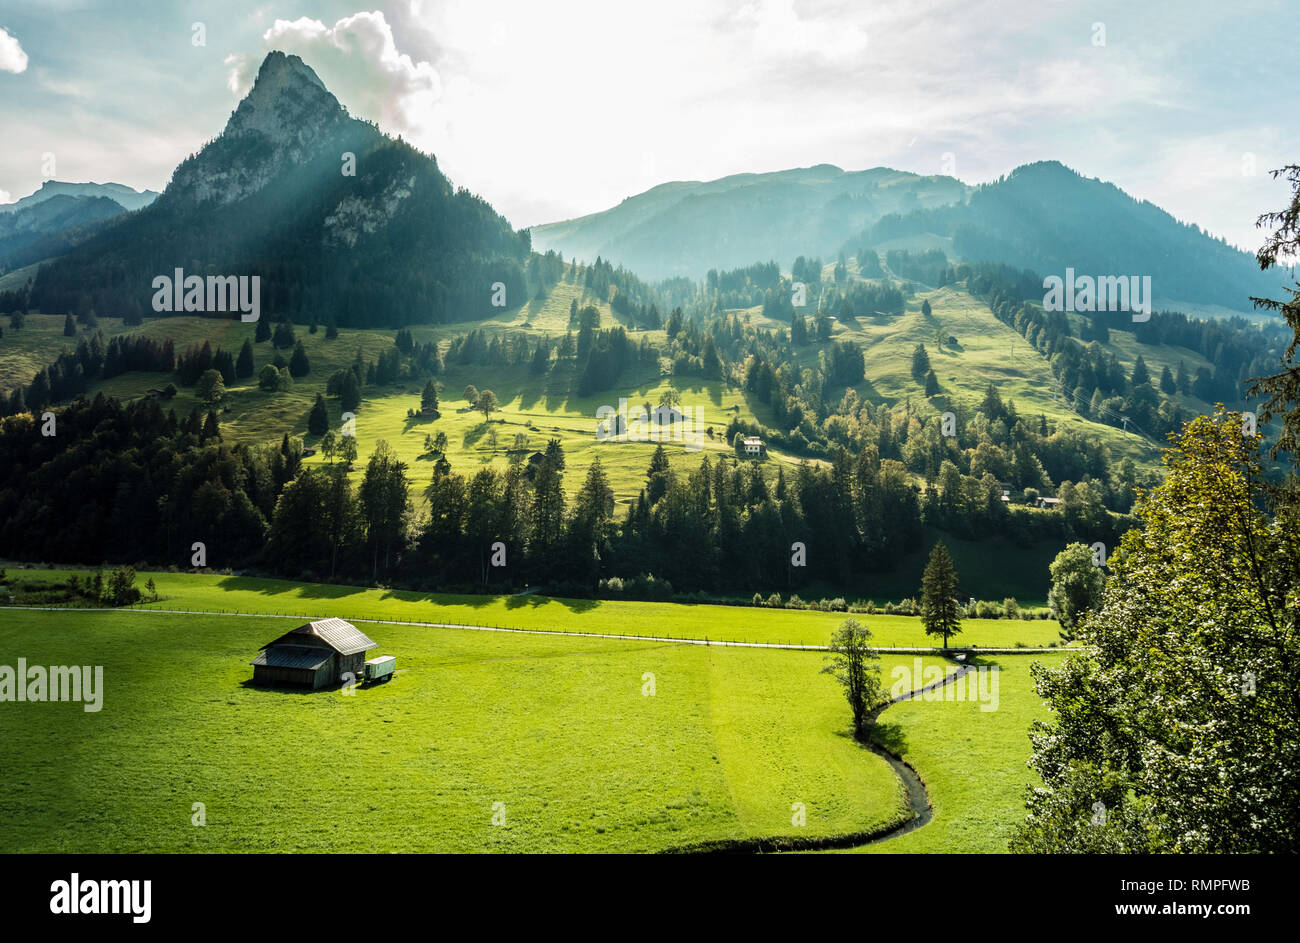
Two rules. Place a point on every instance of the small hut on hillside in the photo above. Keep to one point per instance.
(315, 655)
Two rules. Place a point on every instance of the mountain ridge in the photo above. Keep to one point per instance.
(124, 196)
(1040, 217)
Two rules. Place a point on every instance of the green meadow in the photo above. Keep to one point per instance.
(554, 735)
(569, 743)
(974, 763)
(249, 595)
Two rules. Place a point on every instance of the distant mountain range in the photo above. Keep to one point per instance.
(1042, 216)
(344, 222)
(47, 222)
(339, 220)
(686, 228)
(123, 195)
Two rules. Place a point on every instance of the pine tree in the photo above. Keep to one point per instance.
(245, 366)
(350, 393)
(318, 421)
(69, 327)
(1167, 384)
(1141, 375)
(429, 398)
(920, 362)
(263, 330)
(211, 428)
(991, 406)
(299, 365)
(931, 384)
(283, 335)
(939, 595)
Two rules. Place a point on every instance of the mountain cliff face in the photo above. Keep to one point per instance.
(287, 118)
(339, 220)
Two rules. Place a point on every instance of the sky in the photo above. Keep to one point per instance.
(551, 109)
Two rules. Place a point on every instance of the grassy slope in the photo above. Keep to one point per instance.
(540, 409)
(556, 728)
(987, 351)
(213, 592)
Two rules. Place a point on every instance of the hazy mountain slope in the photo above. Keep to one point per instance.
(270, 196)
(1042, 216)
(1047, 217)
(39, 230)
(686, 228)
(123, 195)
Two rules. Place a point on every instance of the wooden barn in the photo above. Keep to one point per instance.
(315, 655)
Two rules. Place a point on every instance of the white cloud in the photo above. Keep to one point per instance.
(779, 31)
(552, 111)
(243, 68)
(6, 197)
(12, 57)
(358, 60)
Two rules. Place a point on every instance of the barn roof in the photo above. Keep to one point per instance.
(344, 637)
(291, 656)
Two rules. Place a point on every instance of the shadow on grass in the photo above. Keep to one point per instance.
(887, 735)
(266, 587)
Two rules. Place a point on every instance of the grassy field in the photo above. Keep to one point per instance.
(215, 592)
(973, 762)
(557, 729)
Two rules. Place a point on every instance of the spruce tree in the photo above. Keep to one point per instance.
(1141, 376)
(939, 595)
(299, 365)
(920, 362)
(318, 422)
(244, 366)
(350, 394)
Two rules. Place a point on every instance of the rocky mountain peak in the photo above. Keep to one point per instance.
(287, 118)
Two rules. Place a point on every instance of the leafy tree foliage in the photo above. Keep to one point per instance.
(1076, 587)
(1176, 727)
(852, 661)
